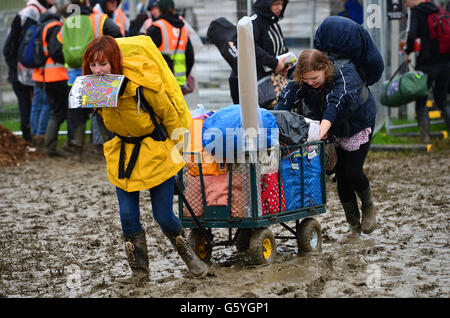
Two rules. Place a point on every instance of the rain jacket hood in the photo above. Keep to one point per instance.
(102, 3)
(134, 67)
(262, 8)
(350, 40)
(173, 19)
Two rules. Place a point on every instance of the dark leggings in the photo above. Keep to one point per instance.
(24, 95)
(57, 96)
(438, 81)
(349, 172)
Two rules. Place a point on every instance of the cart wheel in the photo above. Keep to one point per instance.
(243, 239)
(262, 248)
(199, 246)
(309, 236)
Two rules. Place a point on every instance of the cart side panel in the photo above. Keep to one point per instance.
(301, 191)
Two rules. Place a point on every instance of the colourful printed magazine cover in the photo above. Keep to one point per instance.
(95, 91)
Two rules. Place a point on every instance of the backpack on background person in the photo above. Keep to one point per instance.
(27, 18)
(77, 33)
(439, 31)
(31, 50)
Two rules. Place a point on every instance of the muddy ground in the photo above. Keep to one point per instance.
(60, 236)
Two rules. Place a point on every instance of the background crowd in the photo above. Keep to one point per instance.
(42, 93)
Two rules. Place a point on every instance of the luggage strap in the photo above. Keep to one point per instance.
(158, 134)
(401, 66)
(134, 155)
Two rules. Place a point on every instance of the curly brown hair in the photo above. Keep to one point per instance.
(312, 60)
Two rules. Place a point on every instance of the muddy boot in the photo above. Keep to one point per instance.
(424, 127)
(195, 265)
(424, 135)
(51, 138)
(26, 133)
(369, 213)
(78, 141)
(353, 218)
(136, 250)
(38, 140)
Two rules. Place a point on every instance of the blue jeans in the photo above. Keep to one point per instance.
(162, 208)
(40, 112)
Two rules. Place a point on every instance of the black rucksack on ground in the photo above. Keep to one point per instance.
(223, 34)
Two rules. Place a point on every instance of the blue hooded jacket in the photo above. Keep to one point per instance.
(339, 102)
(348, 39)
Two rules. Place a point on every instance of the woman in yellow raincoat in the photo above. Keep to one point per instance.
(150, 162)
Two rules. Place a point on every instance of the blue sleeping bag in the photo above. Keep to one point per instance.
(348, 39)
(223, 135)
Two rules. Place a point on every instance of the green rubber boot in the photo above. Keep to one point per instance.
(51, 138)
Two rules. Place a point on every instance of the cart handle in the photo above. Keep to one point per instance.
(206, 234)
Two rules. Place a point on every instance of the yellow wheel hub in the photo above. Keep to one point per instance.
(202, 251)
(267, 248)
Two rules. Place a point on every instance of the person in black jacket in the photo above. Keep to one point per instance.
(269, 40)
(332, 93)
(143, 20)
(269, 43)
(436, 65)
(23, 85)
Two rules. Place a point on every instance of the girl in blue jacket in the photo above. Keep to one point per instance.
(332, 92)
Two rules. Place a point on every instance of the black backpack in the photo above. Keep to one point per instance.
(223, 34)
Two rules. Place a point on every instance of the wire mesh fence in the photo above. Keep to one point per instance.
(294, 181)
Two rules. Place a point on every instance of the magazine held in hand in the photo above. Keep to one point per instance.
(95, 91)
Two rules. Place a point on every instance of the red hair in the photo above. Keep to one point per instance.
(104, 48)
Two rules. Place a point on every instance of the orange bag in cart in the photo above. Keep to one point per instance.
(209, 166)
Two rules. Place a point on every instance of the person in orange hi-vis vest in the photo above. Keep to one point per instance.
(170, 36)
(113, 9)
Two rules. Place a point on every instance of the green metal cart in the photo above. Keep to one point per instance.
(243, 212)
